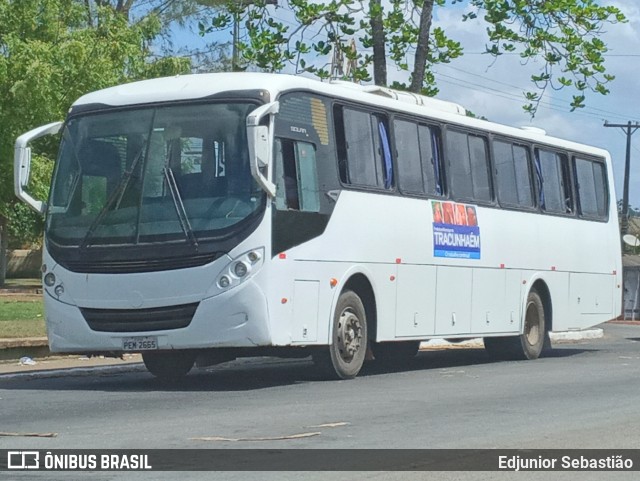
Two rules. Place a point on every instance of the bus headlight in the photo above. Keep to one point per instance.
(50, 279)
(224, 282)
(59, 290)
(240, 269)
(253, 256)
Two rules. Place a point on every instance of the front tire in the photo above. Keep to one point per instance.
(530, 343)
(169, 365)
(344, 357)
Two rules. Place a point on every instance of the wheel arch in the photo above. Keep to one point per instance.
(360, 284)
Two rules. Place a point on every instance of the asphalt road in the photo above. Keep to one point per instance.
(584, 395)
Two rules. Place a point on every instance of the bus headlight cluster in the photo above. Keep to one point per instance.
(240, 268)
(50, 281)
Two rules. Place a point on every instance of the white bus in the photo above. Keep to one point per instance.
(196, 219)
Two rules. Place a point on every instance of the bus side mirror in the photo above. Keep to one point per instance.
(260, 146)
(22, 163)
(25, 166)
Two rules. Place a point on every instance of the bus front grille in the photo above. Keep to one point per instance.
(139, 320)
(129, 266)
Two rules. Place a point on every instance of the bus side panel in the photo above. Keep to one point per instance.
(488, 301)
(415, 307)
(453, 300)
(312, 300)
(591, 298)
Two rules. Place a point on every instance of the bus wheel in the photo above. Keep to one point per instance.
(533, 338)
(169, 365)
(343, 359)
(529, 344)
(395, 353)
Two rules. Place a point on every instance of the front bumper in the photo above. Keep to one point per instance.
(235, 318)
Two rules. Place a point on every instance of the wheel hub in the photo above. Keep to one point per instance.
(349, 335)
(532, 329)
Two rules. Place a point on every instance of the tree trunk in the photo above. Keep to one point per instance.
(87, 5)
(123, 7)
(422, 49)
(379, 40)
(3, 250)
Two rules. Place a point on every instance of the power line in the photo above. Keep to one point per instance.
(622, 55)
(514, 97)
(632, 144)
(585, 110)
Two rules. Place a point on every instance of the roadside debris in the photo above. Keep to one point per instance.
(274, 438)
(30, 435)
(27, 361)
(330, 425)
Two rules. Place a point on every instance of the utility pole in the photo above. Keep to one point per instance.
(629, 129)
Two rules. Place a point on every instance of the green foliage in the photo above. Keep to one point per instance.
(562, 36)
(22, 317)
(51, 53)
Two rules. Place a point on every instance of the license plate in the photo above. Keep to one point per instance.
(147, 343)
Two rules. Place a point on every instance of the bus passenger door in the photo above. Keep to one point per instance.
(415, 305)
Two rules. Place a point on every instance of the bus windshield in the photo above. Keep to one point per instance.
(170, 173)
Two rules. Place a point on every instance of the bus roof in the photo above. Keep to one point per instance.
(198, 86)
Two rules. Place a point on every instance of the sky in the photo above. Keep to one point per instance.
(493, 87)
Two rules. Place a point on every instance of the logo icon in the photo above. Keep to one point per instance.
(23, 460)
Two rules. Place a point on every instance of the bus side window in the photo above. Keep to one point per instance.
(361, 158)
(468, 166)
(410, 170)
(513, 178)
(556, 184)
(591, 188)
(431, 162)
(419, 168)
(296, 176)
(364, 153)
(385, 174)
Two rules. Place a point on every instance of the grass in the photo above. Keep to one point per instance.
(22, 316)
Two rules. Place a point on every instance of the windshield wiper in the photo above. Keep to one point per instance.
(179, 206)
(114, 198)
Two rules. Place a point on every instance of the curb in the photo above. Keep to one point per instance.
(477, 343)
(12, 349)
(108, 369)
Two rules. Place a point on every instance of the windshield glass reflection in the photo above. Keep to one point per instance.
(152, 175)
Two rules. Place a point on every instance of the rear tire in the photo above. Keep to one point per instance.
(344, 357)
(530, 343)
(395, 353)
(169, 365)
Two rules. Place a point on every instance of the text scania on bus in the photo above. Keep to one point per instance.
(206, 217)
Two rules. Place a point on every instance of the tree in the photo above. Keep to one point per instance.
(50, 54)
(172, 15)
(563, 35)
